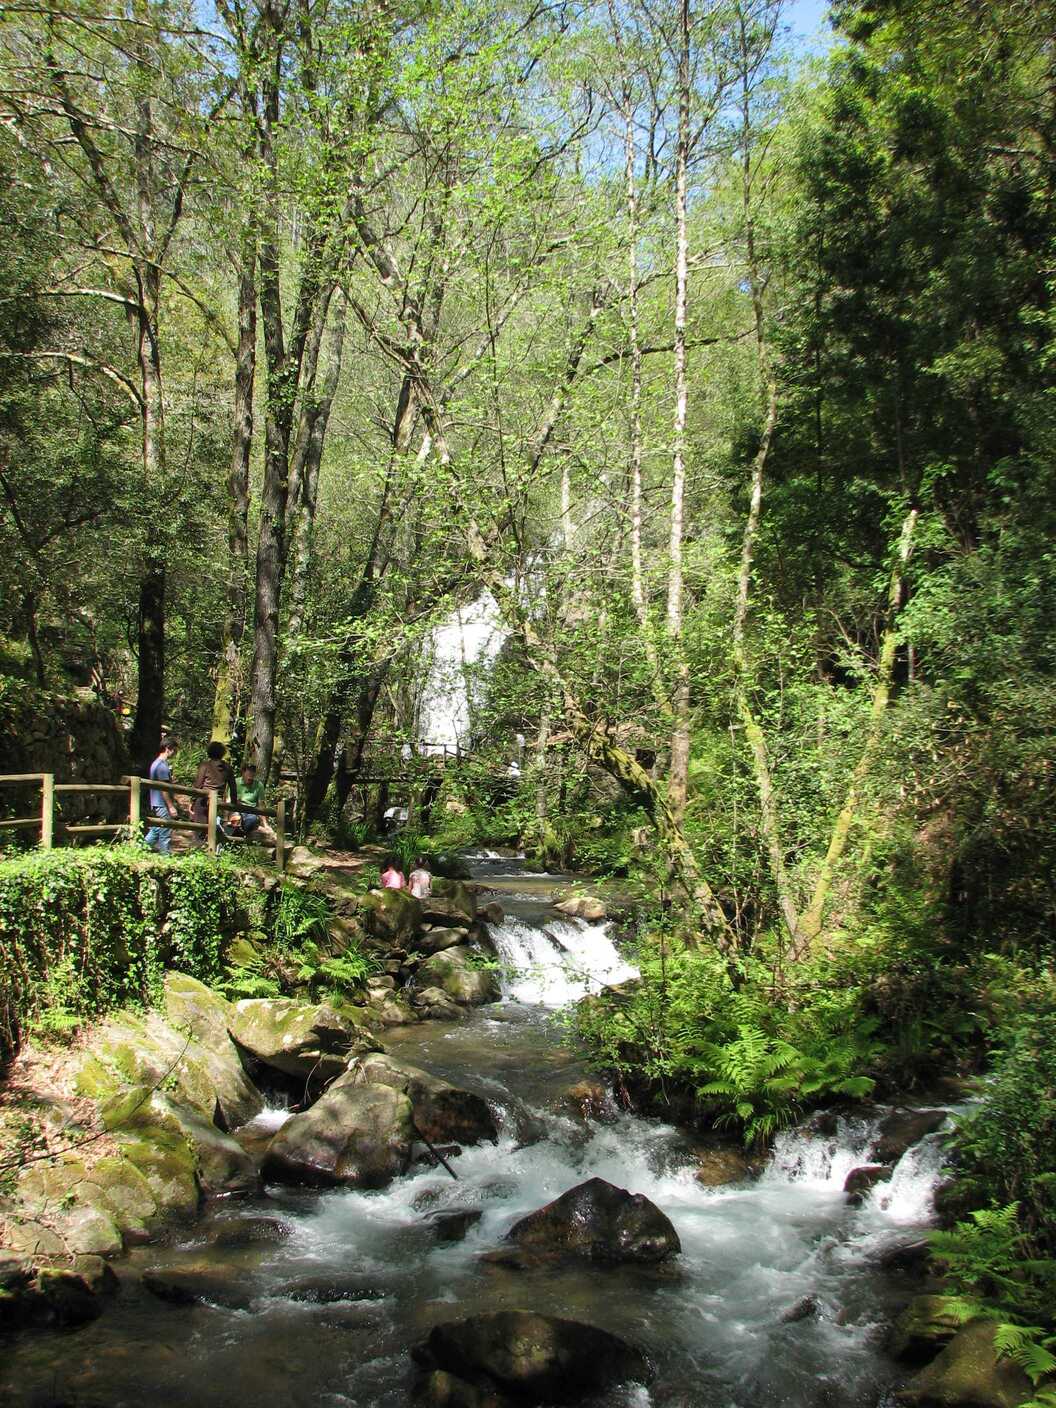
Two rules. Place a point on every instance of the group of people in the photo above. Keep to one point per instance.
(215, 774)
(419, 882)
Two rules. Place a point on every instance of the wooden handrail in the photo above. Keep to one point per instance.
(179, 789)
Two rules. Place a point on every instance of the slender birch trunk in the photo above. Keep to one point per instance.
(678, 772)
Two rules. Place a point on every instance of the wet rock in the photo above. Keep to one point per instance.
(805, 1309)
(49, 1297)
(954, 1201)
(927, 1323)
(248, 1231)
(969, 1372)
(434, 1005)
(302, 1039)
(591, 1100)
(97, 1274)
(492, 912)
(431, 1156)
(860, 1181)
(324, 1290)
(197, 1286)
(439, 1111)
(587, 907)
(597, 1221)
(533, 1358)
(454, 1226)
(902, 1129)
(454, 973)
(717, 1167)
(909, 1257)
(354, 1135)
(443, 1390)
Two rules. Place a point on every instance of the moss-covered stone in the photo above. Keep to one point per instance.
(969, 1373)
(167, 1164)
(297, 1038)
(392, 915)
(453, 972)
(927, 1323)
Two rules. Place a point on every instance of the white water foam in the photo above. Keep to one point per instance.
(554, 966)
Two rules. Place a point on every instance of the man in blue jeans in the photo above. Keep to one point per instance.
(159, 838)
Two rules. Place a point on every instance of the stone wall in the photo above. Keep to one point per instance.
(73, 736)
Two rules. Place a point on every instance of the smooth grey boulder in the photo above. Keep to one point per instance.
(596, 1221)
(532, 1358)
(355, 1135)
(434, 1005)
(441, 1113)
(436, 940)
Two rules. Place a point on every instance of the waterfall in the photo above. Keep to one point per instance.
(555, 965)
(468, 641)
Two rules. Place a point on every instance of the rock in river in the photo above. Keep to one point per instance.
(356, 1135)
(969, 1373)
(441, 1112)
(453, 972)
(529, 1358)
(596, 1221)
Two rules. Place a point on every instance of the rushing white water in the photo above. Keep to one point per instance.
(465, 644)
(555, 965)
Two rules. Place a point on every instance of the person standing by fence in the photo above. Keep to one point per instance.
(159, 838)
(214, 775)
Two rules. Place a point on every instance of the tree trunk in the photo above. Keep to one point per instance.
(150, 624)
(678, 772)
(225, 704)
(810, 925)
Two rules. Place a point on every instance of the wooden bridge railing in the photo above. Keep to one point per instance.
(132, 788)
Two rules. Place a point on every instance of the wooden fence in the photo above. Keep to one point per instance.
(51, 826)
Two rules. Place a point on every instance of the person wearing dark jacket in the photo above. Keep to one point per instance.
(214, 775)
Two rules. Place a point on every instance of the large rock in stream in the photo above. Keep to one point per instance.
(441, 1113)
(306, 1040)
(595, 1221)
(523, 1358)
(357, 1135)
(452, 971)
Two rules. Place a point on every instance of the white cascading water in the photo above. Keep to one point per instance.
(469, 639)
(555, 965)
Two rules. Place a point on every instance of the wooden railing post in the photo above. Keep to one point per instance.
(135, 802)
(47, 811)
(280, 833)
(210, 835)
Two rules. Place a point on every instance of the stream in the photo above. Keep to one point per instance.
(711, 1320)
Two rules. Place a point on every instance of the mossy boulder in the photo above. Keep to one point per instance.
(59, 1297)
(393, 916)
(355, 1135)
(434, 1005)
(442, 1113)
(453, 971)
(60, 1201)
(302, 1039)
(189, 1050)
(927, 1323)
(220, 1163)
(969, 1373)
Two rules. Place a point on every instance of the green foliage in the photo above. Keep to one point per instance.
(86, 931)
(751, 1059)
(299, 915)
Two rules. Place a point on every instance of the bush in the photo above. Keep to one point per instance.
(86, 931)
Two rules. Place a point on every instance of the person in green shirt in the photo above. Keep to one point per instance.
(250, 795)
